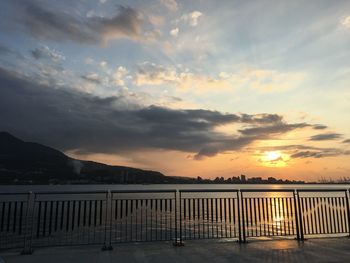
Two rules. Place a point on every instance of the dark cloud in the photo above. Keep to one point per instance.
(320, 154)
(320, 127)
(68, 120)
(307, 154)
(52, 24)
(277, 128)
(346, 141)
(305, 151)
(297, 147)
(272, 124)
(72, 120)
(207, 151)
(289, 148)
(325, 137)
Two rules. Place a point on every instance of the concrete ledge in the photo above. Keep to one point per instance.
(315, 250)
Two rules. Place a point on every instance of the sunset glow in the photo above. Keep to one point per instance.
(273, 156)
(274, 159)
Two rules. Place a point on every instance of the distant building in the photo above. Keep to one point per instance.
(255, 180)
(235, 180)
(243, 178)
(271, 180)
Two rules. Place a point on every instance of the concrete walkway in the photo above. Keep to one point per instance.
(313, 250)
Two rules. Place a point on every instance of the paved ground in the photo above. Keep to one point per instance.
(328, 250)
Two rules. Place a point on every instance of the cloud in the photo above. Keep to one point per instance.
(174, 32)
(319, 154)
(72, 120)
(304, 151)
(261, 80)
(346, 22)
(153, 74)
(277, 128)
(325, 137)
(192, 18)
(156, 20)
(293, 147)
(171, 5)
(103, 64)
(119, 76)
(92, 77)
(262, 118)
(320, 127)
(346, 141)
(307, 154)
(152, 35)
(264, 80)
(206, 152)
(60, 26)
(44, 52)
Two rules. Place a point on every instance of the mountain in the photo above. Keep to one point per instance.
(32, 163)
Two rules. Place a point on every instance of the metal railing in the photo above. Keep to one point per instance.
(268, 213)
(61, 218)
(140, 216)
(326, 214)
(209, 214)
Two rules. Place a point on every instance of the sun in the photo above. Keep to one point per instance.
(274, 159)
(272, 156)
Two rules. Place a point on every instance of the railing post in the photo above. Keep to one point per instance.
(244, 239)
(348, 209)
(108, 222)
(28, 236)
(175, 218)
(239, 217)
(297, 225)
(178, 220)
(300, 215)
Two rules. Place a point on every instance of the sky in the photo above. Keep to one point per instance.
(188, 88)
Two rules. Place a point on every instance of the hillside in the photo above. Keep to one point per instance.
(32, 163)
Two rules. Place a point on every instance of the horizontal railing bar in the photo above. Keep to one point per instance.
(89, 192)
(171, 191)
(266, 190)
(54, 192)
(145, 191)
(150, 198)
(208, 190)
(14, 193)
(322, 190)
